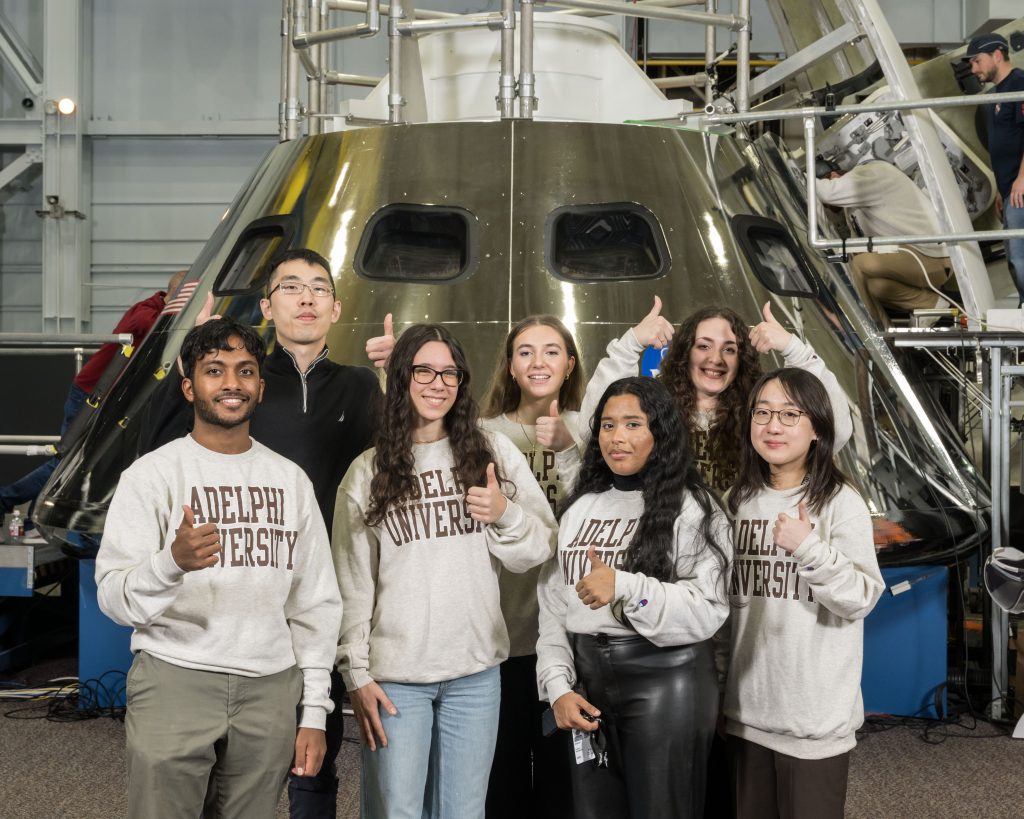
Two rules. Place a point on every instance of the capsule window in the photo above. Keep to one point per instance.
(410, 243)
(607, 242)
(775, 258)
(247, 264)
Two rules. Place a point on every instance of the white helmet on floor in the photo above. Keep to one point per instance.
(1004, 579)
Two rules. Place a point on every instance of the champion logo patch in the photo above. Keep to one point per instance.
(181, 298)
(342, 416)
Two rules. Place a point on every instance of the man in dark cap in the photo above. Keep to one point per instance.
(989, 56)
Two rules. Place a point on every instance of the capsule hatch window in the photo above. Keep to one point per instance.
(243, 276)
(775, 258)
(613, 241)
(410, 243)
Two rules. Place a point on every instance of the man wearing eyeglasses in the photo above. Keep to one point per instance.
(315, 412)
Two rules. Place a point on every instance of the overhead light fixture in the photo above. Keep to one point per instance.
(66, 106)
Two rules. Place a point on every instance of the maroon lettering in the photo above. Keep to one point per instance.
(227, 516)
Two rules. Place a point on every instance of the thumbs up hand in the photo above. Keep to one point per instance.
(206, 313)
(597, 589)
(551, 430)
(769, 334)
(378, 348)
(195, 547)
(486, 504)
(654, 330)
(790, 532)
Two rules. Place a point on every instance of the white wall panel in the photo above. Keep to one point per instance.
(687, 38)
(925, 21)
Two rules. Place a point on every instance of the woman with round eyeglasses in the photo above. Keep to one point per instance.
(425, 522)
(805, 577)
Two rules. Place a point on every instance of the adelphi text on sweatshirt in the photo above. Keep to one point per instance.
(420, 590)
(687, 611)
(271, 601)
(797, 625)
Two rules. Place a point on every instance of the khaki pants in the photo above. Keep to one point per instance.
(896, 281)
(192, 731)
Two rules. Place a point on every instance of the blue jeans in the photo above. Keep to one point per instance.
(28, 487)
(439, 750)
(1013, 219)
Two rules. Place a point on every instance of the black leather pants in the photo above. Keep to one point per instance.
(658, 711)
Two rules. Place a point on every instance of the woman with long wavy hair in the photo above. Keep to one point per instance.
(710, 368)
(628, 608)
(425, 522)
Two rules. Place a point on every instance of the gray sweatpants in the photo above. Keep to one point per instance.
(207, 742)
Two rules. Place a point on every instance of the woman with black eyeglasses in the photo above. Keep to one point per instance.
(806, 576)
(627, 611)
(424, 524)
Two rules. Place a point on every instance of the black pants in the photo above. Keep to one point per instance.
(658, 710)
(530, 772)
(771, 785)
(316, 797)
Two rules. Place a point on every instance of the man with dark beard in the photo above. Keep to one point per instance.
(317, 413)
(989, 56)
(215, 553)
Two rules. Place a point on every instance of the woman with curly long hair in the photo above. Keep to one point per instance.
(710, 370)
(425, 522)
(628, 608)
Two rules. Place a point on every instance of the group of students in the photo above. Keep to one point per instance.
(603, 569)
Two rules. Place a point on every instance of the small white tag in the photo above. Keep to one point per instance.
(899, 588)
(581, 745)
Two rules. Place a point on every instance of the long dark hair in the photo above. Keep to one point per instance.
(394, 475)
(670, 472)
(824, 478)
(504, 394)
(729, 412)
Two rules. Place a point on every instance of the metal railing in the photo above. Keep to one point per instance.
(45, 344)
(306, 34)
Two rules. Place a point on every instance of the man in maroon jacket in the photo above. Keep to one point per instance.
(137, 320)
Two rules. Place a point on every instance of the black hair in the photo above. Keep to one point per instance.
(214, 335)
(824, 478)
(669, 474)
(304, 254)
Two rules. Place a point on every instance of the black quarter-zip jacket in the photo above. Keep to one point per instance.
(321, 419)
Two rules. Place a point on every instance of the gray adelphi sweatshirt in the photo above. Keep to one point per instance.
(421, 589)
(519, 591)
(687, 611)
(797, 625)
(271, 601)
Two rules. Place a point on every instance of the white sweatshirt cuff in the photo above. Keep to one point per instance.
(631, 342)
(165, 569)
(511, 517)
(356, 678)
(557, 688)
(313, 716)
